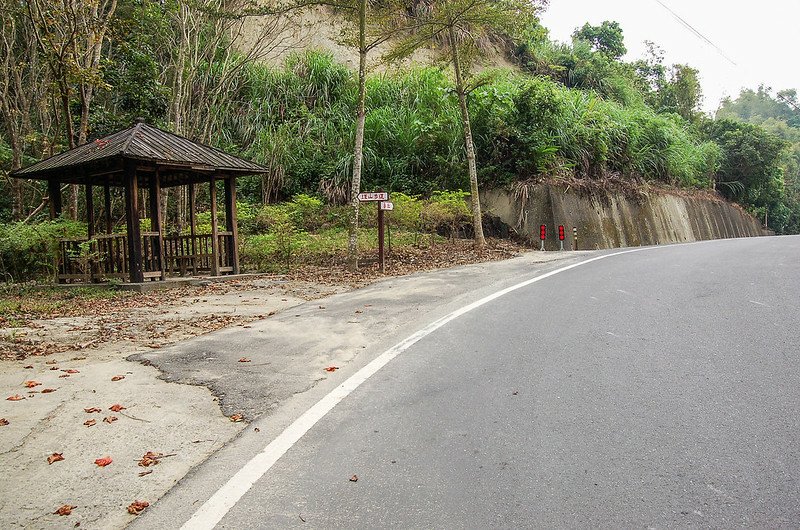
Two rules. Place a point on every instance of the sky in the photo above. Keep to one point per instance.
(761, 38)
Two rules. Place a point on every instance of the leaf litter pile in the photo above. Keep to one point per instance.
(32, 320)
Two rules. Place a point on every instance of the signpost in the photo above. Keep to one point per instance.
(384, 206)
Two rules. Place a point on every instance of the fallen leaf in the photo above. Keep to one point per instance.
(150, 459)
(143, 473)
(331, 368)
(72, 371)
(31, 384)
(48, 390)
(137, 507)
(116, 407)
(244, 360)
(257, 429)
(15, 397)
(64, 510)
(103, 462)
(358, 312)
(110, 419)
(90, 423)
(271, 313)
(236, 417)
(118, 378)
(29, 367)
(354, 478)
(51, 361)
(92, 410)
(3, 422)
(63, 376)
(322, 307)
(55, 457)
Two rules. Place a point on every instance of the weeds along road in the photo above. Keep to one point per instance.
(657, 388)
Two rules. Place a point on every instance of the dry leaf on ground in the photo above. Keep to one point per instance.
(236, 417)
(71, 371)
(137, 507)
(110, 419)
(150, 459)
(103, 462)
(15, 397)
(331, 368)
(55, 457)
(90, 423)
(31, 384)
(354, 478)
(116, 407)
(92, 410)
(48, 390)
(244, 360)
(118, 378)
(3, 422)
(64, 510)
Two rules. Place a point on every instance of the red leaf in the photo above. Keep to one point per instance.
(3, 422)
(331, 368)
(244, 360)
(116, 407)
(92, 410)
(118, 378)
(72, 371)
(31, 384)
(64, 510)
(236, 417)
(90, 423)
(48, 390)
(103, 462)
(15, 397)
(137, 507)
(55, 457)
(110, 419)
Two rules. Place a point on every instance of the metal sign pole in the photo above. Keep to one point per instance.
(381, 255)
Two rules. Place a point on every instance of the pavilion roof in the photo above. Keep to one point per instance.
(178, 159)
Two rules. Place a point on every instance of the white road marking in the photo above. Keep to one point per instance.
(758, 303)
(225, 498)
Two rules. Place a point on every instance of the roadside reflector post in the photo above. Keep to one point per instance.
(543, 234)
(561, 236)
(575, 237)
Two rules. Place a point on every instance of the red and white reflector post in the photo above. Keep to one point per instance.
(561, 236)
(575, 237)
(543, 234)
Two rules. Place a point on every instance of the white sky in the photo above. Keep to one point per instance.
(762, 38)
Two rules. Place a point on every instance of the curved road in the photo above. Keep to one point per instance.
(655, 388)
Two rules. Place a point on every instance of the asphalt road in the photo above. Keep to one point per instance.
(657, 388)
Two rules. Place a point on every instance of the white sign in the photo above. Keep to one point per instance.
(388, 206)
(373, 196)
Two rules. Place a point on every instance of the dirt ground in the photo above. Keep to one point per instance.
(69, 398)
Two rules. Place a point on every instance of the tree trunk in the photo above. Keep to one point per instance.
(358, 150)
(477, 223)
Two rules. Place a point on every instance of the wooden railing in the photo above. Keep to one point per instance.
(106, 256)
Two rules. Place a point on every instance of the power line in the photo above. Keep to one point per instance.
(696, 32)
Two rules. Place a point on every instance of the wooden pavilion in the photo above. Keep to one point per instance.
(144, 157)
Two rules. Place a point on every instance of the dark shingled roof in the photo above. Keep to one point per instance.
(171, 153)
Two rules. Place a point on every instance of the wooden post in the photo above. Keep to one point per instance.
(193, 225)
(214, 228)
(107, 196)
(54, 193)
(132, 219)
(156, 224)
(231, 221)
(89, 211)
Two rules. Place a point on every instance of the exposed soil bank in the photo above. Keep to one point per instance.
(611, 219)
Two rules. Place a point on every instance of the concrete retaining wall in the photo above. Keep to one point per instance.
(611, 219)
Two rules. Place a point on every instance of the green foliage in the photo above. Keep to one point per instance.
(30, 251)
(606, 38)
